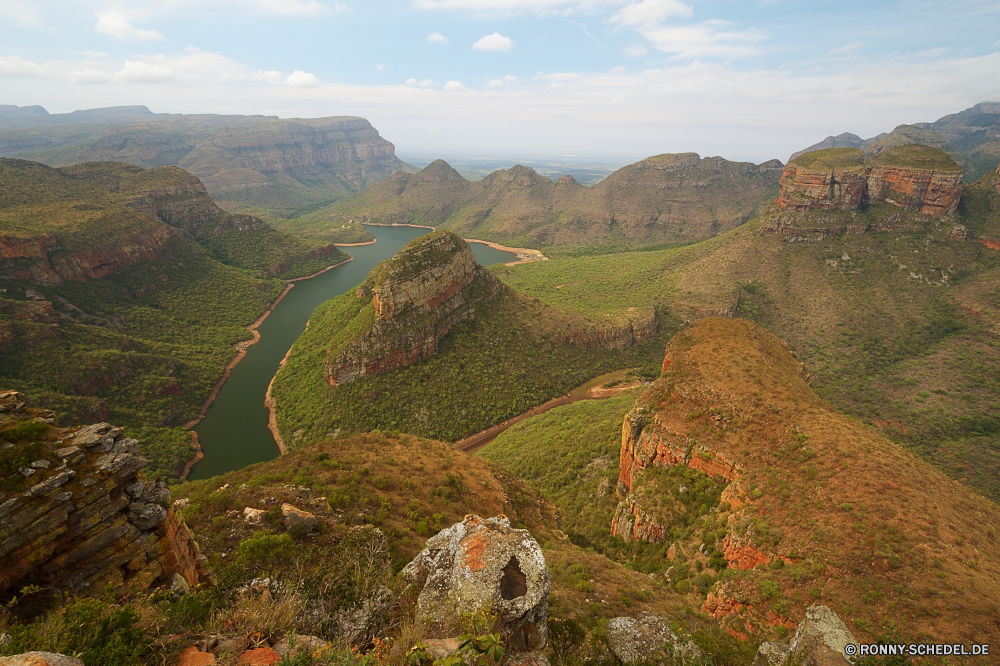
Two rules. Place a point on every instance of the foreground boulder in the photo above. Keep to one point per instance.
(647, 637)
(819, 641)
(483, 563)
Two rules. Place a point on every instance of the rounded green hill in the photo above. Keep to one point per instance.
(843, 159)
(914, 156)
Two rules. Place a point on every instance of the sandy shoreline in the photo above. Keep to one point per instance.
(525, 255)
(242, 346)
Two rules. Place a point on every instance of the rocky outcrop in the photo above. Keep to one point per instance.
(913, 177)
(82, 517)
(621, 332)
(926, 191)
(483, 563)
(646, 638)
(44, 260)
(417, 296)
(803, 188)
(819, 641)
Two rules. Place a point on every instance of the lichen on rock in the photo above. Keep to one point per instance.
(483, 564)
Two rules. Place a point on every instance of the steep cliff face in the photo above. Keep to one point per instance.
(90, 220)
(46, 261)
(832, 178)
(620, 332)
(417, 296)
(913, 177)
(77, 513)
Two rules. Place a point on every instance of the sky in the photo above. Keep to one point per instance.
(593, 79)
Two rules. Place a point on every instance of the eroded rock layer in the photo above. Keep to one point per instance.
(81, 516)
(417, 296)
(913, 177)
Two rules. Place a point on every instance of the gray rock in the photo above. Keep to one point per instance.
(771, 654)
(41, 464)
(648, 637)
(146, 516)
(134, 489)
(178, 586)
(293, 516)
(533, 658)
(484, 563)
(291, 646)
(26, 471)
(39, 659)
(90, 435)
(50, 484)
(68, 451)
(821, 638)
(157, 493)
(356, 624)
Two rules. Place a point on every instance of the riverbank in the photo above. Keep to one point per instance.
(525, 255)
(241, 354)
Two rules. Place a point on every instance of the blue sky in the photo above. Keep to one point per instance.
(520, 78)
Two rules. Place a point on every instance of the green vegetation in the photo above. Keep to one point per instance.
(510, 357)
(876, 318)
(570, 454)
(844, 159)
(143, 346)
(916, 157)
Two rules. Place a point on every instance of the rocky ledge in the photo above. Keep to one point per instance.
(416, 297)
(912, 177)
(76, 513)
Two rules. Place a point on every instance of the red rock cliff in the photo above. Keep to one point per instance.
(417, 296)
(912, 177)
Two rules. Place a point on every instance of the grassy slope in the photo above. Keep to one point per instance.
(885, 337)
(144, 345)
(570, 454)
(488, 369)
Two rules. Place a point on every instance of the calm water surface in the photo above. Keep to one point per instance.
(234, 432)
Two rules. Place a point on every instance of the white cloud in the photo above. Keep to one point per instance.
(697, 41)
(380, 68)
(649, 12)
(272, 77)
(847, 48)
(426, 83)
(436, 38)
(297, 7)
(500, 83)
(560, 76)
(12, 66)
(87, 75)
(143, 72)
(95, 54)
(20, 13)
(635, 51)
(494, 42)
(453, 86)
(511, 5)
(116, 25)
(300, 79)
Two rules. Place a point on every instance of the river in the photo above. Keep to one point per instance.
(234, 432)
